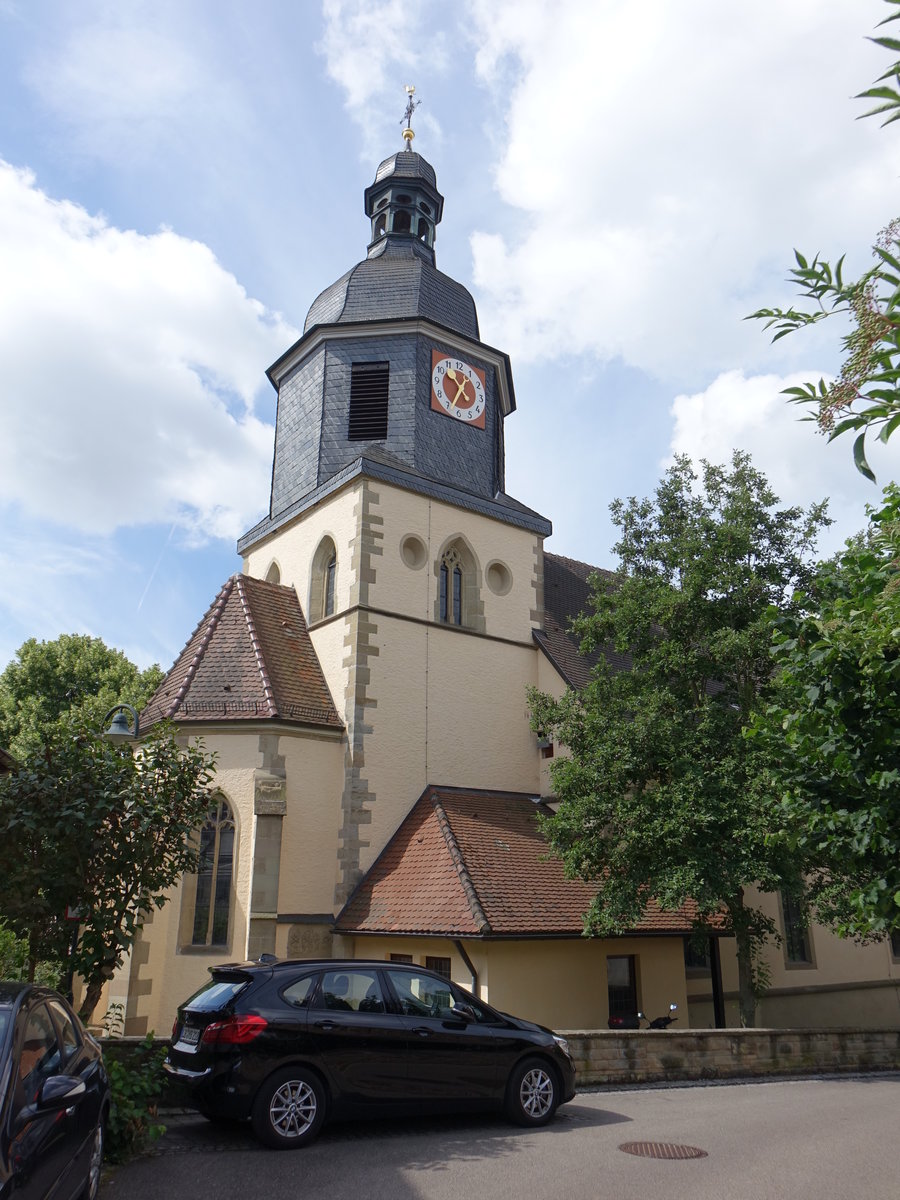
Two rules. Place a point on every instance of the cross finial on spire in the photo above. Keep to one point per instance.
(411, 106)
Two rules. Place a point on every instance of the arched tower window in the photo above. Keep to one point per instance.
(273, 575)
(212, 902)
(330, 569)
(323, 581)
(458, 599)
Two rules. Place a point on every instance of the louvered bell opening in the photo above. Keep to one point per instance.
(369, 402)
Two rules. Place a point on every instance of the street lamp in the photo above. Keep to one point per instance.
(120, 731)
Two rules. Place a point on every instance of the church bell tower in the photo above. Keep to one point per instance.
(388, 514)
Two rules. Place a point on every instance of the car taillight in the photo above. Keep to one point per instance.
(174, 1029)
(235, 1031)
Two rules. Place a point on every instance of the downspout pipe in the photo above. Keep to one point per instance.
(469, 964)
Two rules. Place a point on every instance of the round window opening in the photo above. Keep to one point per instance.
(499, 578)
(414, 552)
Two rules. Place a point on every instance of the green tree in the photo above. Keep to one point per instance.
(866, 395)
(73, 678)
(654, 798)
(100, 828)
(831, 729)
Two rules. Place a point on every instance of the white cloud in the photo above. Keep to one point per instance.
(750, 414)
(129, 364)
(662, 160)
(370, 46)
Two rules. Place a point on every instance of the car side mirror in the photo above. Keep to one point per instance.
(59, 1091)
(55, 1093)
(464, 1011)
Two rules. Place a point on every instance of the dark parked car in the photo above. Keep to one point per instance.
(293, 1044)
(54, 1098)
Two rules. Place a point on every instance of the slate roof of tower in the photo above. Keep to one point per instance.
(398, 281)
(566, 593)
(406, 164)
(250, 658)
(474, 864)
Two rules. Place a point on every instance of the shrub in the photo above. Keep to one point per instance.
(135, 1087)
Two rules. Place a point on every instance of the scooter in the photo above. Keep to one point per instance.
(660, 1022)
(633, 1020)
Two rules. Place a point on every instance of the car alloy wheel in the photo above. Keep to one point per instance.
(533, 1094)
(289, 1109)
(95, 1164)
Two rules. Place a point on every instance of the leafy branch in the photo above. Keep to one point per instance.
(865, 397)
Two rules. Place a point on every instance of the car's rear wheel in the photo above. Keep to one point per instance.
(532, 1094)
(289, 1109)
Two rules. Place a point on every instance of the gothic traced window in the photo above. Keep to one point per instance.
(212, 901)
(451, 603)
(458, 600)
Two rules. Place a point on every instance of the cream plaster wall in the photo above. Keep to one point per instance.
(315, 773)
(449, 708)
(164, 968)
(293, 546)
(401, 589)
(557, 982)
(162, 972)
(293, 549)
(552, 683)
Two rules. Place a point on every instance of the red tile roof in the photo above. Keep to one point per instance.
(250, 658)
(474, 864)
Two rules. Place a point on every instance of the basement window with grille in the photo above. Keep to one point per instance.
(369, 402)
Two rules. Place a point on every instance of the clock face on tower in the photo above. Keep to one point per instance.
(457, 389)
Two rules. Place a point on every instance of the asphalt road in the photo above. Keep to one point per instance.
(813, 1139)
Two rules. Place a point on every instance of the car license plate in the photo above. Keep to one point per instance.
(191, 1036)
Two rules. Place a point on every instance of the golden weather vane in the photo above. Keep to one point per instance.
(411, 106)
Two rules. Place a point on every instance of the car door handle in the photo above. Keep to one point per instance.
(422, 1031)
(326, 1024)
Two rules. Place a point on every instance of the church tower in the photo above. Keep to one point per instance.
(420, 578)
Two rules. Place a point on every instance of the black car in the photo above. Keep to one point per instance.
(293, 1044)
(54, 1098)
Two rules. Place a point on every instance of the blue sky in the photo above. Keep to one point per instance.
(623, 183)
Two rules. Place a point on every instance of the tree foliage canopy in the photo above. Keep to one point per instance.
(866, 395)
(102, 829)
(831, 730)
(654, 795)
(73, 678)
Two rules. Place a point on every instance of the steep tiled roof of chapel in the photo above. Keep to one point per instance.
(250, 658)
(468, 864)
(566, 593)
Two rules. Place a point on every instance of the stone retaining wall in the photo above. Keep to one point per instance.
(652, 1056)
(647, 1056)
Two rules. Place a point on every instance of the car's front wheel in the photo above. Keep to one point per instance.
(532, 1094)
(289, 1109)
(95, 1162)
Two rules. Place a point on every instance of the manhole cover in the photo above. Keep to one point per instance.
(661, 1150)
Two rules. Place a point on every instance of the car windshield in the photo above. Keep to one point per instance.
(216, 994)
(4, 1023)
